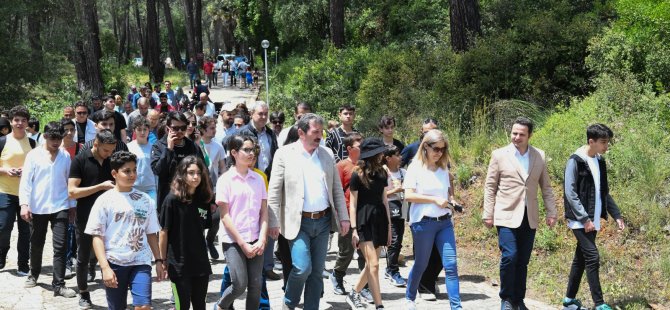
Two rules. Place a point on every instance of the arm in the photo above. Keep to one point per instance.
(108, 275)
(228, 224)
(490, 190)
(412, 196)
(26, 189)
(276, 193)
(124, 136)
(160, 160)
(353, 200)
(340, 202)
(263, 235)
(548, 194)
(76, 192)
(152, 239)
(163, 243)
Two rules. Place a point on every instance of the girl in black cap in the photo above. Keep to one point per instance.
(370, 217)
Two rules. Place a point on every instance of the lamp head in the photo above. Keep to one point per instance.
(265, 43)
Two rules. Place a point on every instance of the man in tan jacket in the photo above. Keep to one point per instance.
(306, 202)
(515, 173)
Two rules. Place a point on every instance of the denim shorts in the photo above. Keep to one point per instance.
(138, 278)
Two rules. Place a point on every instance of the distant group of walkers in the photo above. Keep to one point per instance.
(232, 73)
(137, 184)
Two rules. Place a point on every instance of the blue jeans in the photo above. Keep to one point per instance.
(425, 234)
(516, 245)
(308, 252)
(138, 278)
(10, 211)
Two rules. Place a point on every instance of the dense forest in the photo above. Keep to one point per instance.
(473, 65)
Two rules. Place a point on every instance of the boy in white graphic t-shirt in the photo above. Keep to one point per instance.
(123, 223)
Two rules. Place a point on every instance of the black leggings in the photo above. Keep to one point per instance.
(190, 291)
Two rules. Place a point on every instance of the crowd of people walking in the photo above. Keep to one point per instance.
(153, 180)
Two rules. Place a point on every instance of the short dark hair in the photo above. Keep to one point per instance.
(80, 104)
(120, 158)
(598, 131)
(141, 121)
(205, 121)
(292, 135)
(175, 116)
(278, 115)
(105, 136)
(200, 106)
(54, 130)
(430, 120)
(303, 123)
(105, 98)
(20, 111)
(351, 138)
(34, 123)
(162, 95)
(386, 121)
(524, 121)
(102, 115)
(347, 107)
(391, 150)
(303, 105)
(235, 143)
(66, 121)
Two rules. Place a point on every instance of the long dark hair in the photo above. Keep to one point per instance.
(179, 187)
(369, 168)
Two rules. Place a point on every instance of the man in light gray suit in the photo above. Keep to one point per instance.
(306, 202)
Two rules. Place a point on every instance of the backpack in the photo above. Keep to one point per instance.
(3, 141)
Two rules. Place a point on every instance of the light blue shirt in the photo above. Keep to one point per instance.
(524, 159)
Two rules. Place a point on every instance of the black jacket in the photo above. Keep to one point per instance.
(164, 164)
(250, 130)
(580, 192)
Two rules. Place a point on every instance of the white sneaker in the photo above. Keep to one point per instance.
(410, 305)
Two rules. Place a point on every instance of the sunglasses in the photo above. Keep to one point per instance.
(248, 150)
(438, 149)
(277, 122)
(178, 128)
(82, 113)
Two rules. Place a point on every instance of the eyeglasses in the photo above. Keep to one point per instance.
(438, 149)
(178, 128)
(238, 125)
(193, 124)
(278, 122)
(82, 113)
(248, 150)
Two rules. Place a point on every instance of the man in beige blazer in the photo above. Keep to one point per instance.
(306, 202)
(515, 173)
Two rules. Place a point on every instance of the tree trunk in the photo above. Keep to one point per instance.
(190, 28)
(218, 29)
(156, 66)
(337, 22)
(197, 23)
(228, 34)
(140, 34)
(172, 41)
(87, 51)
(122, 55)
(35, 38)
(465, 23)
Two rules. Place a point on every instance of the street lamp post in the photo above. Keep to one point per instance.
(265, 44)
(276, 52)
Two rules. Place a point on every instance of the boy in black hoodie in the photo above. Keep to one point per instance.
(587, 201)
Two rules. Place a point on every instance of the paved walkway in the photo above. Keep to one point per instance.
(475, 292)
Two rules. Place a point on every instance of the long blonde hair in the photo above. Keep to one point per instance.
(429, 138)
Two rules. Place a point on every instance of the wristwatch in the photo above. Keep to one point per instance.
(159, 260)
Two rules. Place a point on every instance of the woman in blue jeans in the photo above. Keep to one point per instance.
(428, 187)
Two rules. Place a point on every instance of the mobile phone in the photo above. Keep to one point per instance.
(457, 207)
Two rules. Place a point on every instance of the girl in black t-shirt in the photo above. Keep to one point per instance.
(370, 217)
(186, 213)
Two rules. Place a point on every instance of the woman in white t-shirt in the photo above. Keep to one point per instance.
(427, 187)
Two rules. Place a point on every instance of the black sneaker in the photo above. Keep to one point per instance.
(65, 292)
(338, 284)
(3, 258)
(213, 253)
(85, 301)
(91, 274)
(354, 300)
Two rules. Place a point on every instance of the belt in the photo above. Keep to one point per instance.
(316, 215)
(439, 218)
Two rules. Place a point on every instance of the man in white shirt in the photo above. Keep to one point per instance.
(305, 188)
(44, 199)
(224, 124)
(210, 108)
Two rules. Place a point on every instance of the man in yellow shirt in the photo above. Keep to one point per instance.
(13, 150)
